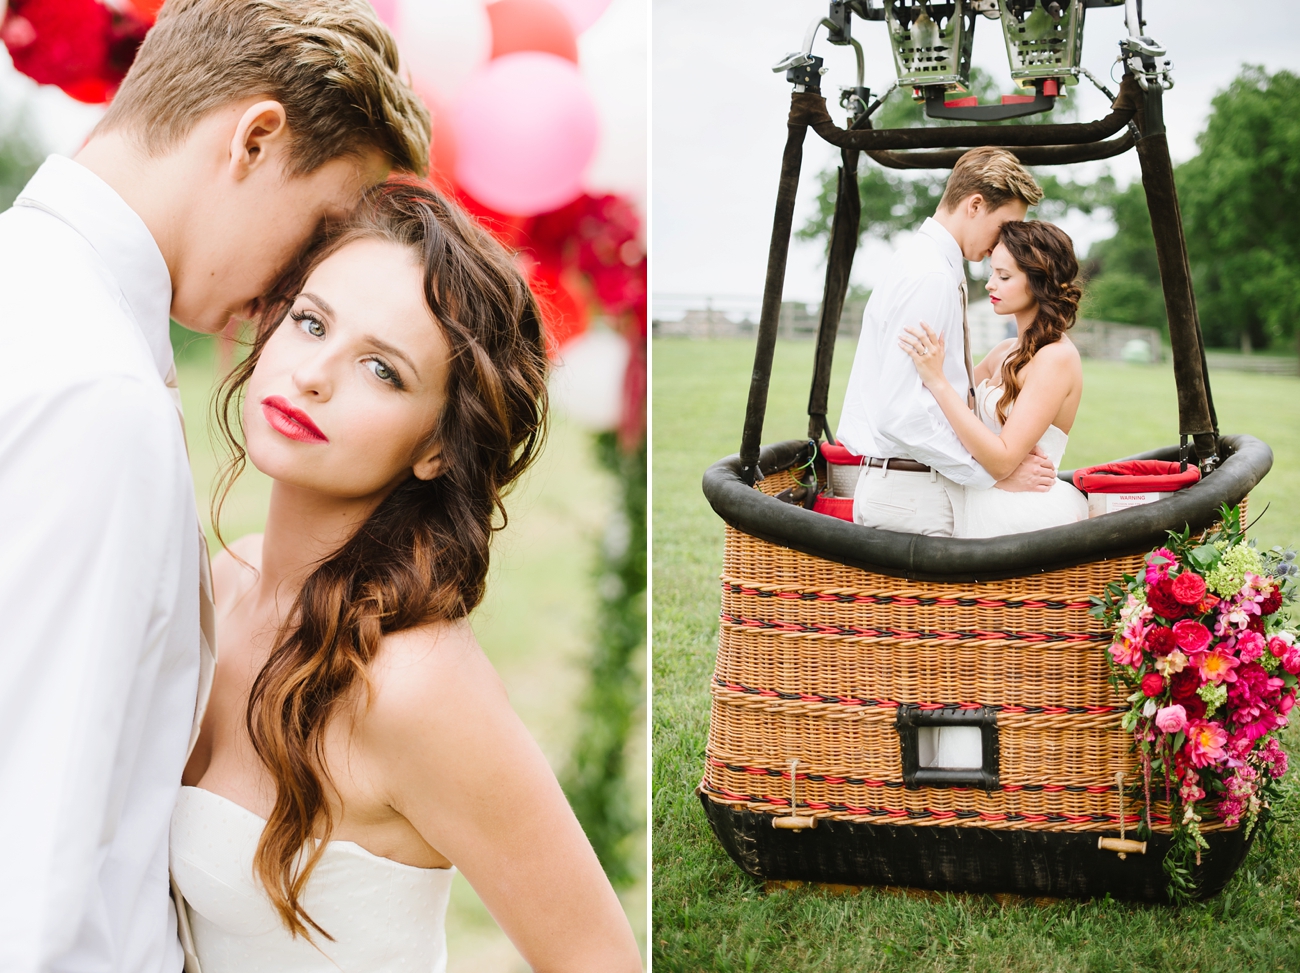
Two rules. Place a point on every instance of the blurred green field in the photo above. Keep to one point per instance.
(534, 623)
(710, 915)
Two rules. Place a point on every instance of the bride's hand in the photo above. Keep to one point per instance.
(925, 348)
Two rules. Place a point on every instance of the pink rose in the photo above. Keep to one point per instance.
(1250, 646)
(1153, 684)
(1189, 588)
(1278, 646)
(1291, 660)
(1191, 636)
(1171, 719)
(1286, 703)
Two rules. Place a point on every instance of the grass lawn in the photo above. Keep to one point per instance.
(534, 623)
(710, 915)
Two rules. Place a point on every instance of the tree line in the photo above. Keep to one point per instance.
(1239, 197)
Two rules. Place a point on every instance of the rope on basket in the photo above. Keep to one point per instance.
(1121, 844)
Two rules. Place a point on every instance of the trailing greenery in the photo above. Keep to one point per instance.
(596, 783)
(710, 915)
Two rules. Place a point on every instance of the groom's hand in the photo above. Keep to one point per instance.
(1035, 474)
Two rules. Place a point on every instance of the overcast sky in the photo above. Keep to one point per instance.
(719, 119)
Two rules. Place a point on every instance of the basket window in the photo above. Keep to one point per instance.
(948, 746)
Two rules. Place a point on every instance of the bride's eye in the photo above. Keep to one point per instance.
(309, 323)
(384, 373)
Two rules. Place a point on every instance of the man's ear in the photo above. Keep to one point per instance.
(429, 464)
(261, 134)
(975, 204)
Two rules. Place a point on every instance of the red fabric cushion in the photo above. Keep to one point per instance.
(1135, 476)
(839, 456)
(841, 507)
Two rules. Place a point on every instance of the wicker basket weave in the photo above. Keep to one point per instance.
(815, 660)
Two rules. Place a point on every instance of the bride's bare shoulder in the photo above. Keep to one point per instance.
(1060, 353)
(235, 568)
(440, 663)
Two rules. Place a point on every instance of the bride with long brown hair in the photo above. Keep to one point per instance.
(1038, 374)
(358, 744)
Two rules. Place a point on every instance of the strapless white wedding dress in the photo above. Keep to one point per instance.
(383, 915)
(993, 512)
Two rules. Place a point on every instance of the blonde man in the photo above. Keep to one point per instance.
(914, 466)
(242, 125)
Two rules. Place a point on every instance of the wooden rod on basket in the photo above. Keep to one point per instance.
(1121, 844)
(792, 821)
(770, 316)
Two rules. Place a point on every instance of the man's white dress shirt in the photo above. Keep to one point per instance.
(888, 412)
(99, 584)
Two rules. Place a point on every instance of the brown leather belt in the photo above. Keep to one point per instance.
(894, 463)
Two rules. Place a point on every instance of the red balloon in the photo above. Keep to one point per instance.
(531, 25)
(147, 9)
(442, 143)
(564, 313)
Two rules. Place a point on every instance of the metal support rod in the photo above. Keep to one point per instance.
(845, 225)
(778, 250)
(1196, 416)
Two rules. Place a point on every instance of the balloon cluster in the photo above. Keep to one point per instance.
(514, 132)
(82, 46)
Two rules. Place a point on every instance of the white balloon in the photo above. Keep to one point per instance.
(582, 13)
(587, 382)
(443, 41)
(612, 57)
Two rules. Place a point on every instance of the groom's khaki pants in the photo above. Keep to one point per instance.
(911, 503)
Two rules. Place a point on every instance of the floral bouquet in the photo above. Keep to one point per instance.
(1211, 662)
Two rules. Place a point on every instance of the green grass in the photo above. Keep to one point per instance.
(534, 623)
(710, 915)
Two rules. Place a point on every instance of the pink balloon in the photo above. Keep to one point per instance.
(386, 10)
(583, 13)
(526, 130)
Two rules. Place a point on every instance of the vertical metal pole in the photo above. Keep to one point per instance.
(777, 252)
(1196, 416)
(845, 225)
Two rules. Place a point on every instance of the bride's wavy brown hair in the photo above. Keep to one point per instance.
(423, 554)
(1046, 255)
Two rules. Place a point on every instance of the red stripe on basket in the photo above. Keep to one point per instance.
(908, 601)
(924, 704)
(930, 812)
(823, 628)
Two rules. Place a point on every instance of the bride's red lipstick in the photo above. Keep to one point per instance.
(290, 422)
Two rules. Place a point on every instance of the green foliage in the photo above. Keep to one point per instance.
(20, 152)
(1239, 198)
(596, 783)
(708, 915)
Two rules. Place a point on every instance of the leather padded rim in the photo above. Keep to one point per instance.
(950, 559)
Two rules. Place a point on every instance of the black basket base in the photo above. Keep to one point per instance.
(1054, 864)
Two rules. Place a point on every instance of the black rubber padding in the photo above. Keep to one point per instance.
(948, 559)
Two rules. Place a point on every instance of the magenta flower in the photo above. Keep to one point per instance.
(1250, 646)
(1159, 571)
